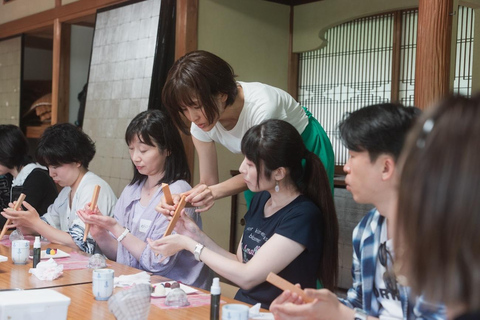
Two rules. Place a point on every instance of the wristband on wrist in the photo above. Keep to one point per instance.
(198, 250)
(123, 235)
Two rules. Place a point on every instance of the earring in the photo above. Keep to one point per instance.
(277, 188)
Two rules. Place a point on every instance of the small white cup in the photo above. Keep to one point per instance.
(102, 283)
(235, 312)
(20, 251)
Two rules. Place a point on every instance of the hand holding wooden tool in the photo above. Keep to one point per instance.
(93, 203)
(17, 206)
(283, 284)
(176, 215)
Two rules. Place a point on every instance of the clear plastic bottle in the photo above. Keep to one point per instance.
(215, 300)
(37, 248)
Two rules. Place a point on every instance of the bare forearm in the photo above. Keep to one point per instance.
(54, 235)
(107, 244)
(210, 244)
(221, 261)
(134, 245)
(228, 187)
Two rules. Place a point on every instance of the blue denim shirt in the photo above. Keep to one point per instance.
(366, 241)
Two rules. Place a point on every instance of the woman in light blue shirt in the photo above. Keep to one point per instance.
(158, 156)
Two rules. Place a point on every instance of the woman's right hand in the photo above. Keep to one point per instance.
(201, 196)
(186, 226)
(167, 209)
(97, 221)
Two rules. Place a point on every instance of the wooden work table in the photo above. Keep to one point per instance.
(17, 276)
(77, 285)
(84, 306)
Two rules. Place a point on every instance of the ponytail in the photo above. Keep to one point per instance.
(276, 143)
(315, 186)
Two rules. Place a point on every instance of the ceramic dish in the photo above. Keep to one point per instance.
(59, 254)
(185, 288)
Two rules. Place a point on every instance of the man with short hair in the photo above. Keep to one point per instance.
(374, 136)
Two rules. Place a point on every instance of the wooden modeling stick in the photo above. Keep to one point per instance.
(93, 203)
(17, 206)
(283, 284)
(167, 194)
(176, 215)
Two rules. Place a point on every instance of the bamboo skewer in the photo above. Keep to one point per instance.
(93, 203)
(17, 206)
(285, 285)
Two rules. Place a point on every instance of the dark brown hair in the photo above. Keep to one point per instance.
(14, 150)
(276, 143)
(196, 79)
(154, 128)
(65, 143)
(438, 237)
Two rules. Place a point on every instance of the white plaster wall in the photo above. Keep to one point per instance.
(119, 84)
(10, 68)
(23, 8)
(251, 35)
(313, 19)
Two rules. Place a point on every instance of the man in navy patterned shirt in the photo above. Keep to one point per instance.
(374, 137)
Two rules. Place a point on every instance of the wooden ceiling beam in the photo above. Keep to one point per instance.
(292, 2)
(46, 18)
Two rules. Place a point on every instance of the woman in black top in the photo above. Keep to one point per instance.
(28, 177)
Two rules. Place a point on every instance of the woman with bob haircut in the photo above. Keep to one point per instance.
(437, 243)
(157, 154)
(291, 226)
(67, 152)
(29, 177)
(201, 87)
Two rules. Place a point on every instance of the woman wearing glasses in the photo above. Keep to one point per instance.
(438, 240)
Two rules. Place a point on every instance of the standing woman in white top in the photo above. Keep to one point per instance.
(201, 87)
(67, 152)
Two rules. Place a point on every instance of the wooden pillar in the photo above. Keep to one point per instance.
(432, 67)
(293, 61)
(60, 71)
(186, 27)
(57, 35)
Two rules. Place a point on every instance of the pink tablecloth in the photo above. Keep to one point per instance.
(7, 243)
(75, 261)
(196, 300)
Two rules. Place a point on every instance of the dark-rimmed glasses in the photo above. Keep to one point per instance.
(389, 275)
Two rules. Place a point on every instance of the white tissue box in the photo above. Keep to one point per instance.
(33, 304)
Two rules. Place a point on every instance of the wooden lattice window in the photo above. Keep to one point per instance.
(372, 60)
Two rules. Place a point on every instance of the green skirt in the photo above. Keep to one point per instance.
(317, 141)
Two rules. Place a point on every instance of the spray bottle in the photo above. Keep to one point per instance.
(37, 248)
(215, 300)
